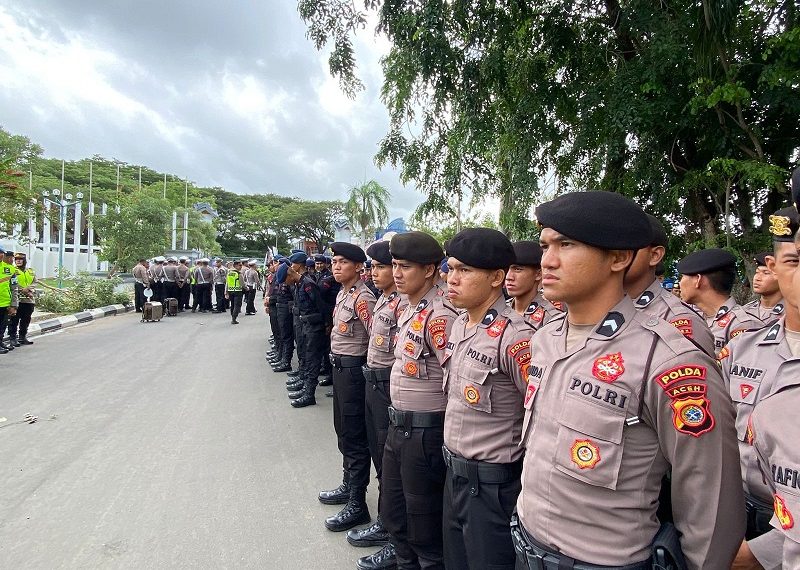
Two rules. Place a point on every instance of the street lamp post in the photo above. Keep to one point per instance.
(63, 203)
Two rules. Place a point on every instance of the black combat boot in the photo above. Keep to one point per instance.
(354, 513)
(293, 374)
(307, 398)
(24, 340)
(339, 495)
(298, 384)
(14, 342)
(282, 366)
(325, 380)
(373, 535)
(384, 559)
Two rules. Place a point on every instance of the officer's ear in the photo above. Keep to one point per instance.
(621, 259)
(657, 253)
(497, 277)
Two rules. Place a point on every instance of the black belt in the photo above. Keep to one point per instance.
(759, 513)
(377, 375)
(481, 471)
(344, 361)
(536, 556)
(415, 419)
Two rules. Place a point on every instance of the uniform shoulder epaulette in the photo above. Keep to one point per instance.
(668, 333)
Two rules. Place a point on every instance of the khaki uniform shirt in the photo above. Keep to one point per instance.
(252, 279)
(486, 370)
(540, 311)
(602, 426)
(220, 274)
(766, 315)
(730, 321)
(352, 317)
(774, 433)
(141, 275)
(658, 302)
(203, 274)
(183, 274)
(416, 383)
(156, 273)
(171, 273)
(383, 333)
(752, 364)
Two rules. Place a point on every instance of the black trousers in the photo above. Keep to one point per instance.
(171, 290)
(287, 331)
(476, 525)
(3, 322)
(19, 323)
(299, 340)
(184, 292)
(313, 350)
(412, 482)
(326, 363)
(250, 296)
(158, 291)
(202, 296)
(275, 327)
(138, 296)
(236, 303)
(350, 425)
(376, 415)
(219, 294)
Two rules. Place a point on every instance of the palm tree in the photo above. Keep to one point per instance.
(366, 207)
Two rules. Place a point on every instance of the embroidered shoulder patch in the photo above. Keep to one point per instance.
(692, 416)
(684, 325)
(782, 513)
(679, 373)
(497, 328)
(437, 328)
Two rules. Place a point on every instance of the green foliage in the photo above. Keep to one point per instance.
(366, 207)
(86, 292)
(17, 201)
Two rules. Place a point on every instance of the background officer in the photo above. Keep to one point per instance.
(614, 399)
(296, 382)
(351, 321)
(26, 291)
(271, 307)
(769, 305)
(233, 291)
(486, 369)
(642, 284)
(9, 299)
(141, 282)
(184, 283)
(523, 279)
(284, 301)
(170, 272)
(707, 278)
(329, 288)
(220, 273)
(377, 373)
(203, 278)
(412, 476)
(156, 270)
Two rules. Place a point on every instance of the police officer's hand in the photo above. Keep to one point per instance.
(745, 560)
(227, 296)
(12, 311)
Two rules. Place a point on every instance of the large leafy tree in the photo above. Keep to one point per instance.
(690, 107)
(16, 198)
(366, 207)
(311, 220)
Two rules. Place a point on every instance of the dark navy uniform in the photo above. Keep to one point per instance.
(272, 293)
(313, 317)
(284, 302)
(329, 289)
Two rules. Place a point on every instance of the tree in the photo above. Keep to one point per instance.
(17, 201)
(637, 97)
(311, 220)
(140, 230)
(366, 208)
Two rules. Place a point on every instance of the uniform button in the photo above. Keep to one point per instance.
(407, 434)
(652, 321)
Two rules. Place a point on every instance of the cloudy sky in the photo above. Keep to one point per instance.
(230, 94)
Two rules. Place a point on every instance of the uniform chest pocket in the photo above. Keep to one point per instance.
(345, 328)
(413, 368)
(382, 335)
(589, 442)
(476, 391)
(744, 392)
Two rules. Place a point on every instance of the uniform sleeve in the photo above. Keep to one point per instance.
(365, 307)
(695, 420)
(515, 357)
(768, 549)
(437, 332)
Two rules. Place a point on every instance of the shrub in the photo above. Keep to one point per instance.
(87, 293)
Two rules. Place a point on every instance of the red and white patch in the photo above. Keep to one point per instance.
(440, 340)
(684, 325)
(438, 330)
(745, 389)
(530, 392)
(538, 315)
(782, 513)
(692, 416)
(609, 367)
(723, 322)
(680, 373)
(497, 328)
(362, 308)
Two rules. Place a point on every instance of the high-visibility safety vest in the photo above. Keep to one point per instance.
(234, 284)
(8, 275)
(25, 278)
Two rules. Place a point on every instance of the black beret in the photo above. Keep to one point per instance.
(319, 258)
(784, 223)
(659, 235)
(706, 261)
(483, 248)
(761, 258)
(348, 251)
(418, 247)
(298, 257)
(528, 253)
(600, 219)
(379, 251)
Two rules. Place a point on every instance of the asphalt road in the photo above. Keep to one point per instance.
(163, 445)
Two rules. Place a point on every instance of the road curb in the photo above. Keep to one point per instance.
(66, 321)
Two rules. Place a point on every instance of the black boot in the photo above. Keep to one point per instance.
(24, 340)
(14, 342)
(297, 394)
(298, 384)
(325, 380)
(384, 559)
(293, 374)
(307, 398)
(282, 366)
(337, 496)
(7, 346)
(374, 535)
(354, 513)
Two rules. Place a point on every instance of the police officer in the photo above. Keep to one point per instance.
(642, 284)
(615, 398)
(253, 284)
(184, 283)
(309, 270)
(284, 302)
(271, 305)
(296, 382)
(233, 291)
(220, 273)
(707, 278)
(9, 299)
(203, 278)
(156, 270)
(170, 271)
(351, 321)
(141, 282)
(366, 276)
(313, 318)
(377, 372)
(320, 266)
(522, 284)
(753, 365)
(486, 365)
(769, 305)
(26, 290)
(329, 288)
(413, 472)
